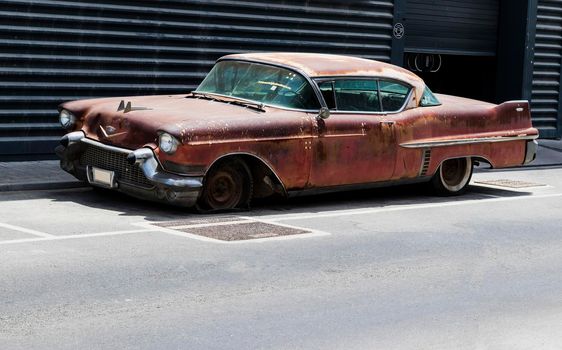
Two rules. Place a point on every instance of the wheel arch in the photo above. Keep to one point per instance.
(473, 158)
(259, 168)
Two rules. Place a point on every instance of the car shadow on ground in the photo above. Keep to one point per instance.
(418, 194)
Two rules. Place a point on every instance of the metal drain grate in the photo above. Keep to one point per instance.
(243, 231)
(201, 221)
(509, 183)
(231, 228)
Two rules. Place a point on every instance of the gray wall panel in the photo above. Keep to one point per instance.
(546, 92)
(55, 50)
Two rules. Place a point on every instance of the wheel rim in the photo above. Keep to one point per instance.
(224, 189)
(455, 173)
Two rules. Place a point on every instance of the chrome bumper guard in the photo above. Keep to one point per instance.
(531, 151)
(145, 158)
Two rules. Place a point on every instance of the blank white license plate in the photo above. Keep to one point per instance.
(102, 177)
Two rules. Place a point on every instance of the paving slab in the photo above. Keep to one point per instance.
(35, 175)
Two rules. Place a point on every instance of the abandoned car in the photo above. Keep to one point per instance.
(289, 123)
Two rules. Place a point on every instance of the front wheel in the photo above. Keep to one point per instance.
(453, 176)
(228, 185)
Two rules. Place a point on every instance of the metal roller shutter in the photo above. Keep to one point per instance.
(52, 51)
(546, 88)
(452, 26)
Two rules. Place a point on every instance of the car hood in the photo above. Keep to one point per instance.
(110, 121)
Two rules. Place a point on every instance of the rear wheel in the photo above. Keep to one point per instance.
(228, 185)
(453, 176)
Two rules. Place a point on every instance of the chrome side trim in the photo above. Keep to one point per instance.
(263, 139)
(440, 143)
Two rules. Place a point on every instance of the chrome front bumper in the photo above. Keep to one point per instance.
(157, 184)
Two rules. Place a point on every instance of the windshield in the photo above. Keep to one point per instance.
(260, 83)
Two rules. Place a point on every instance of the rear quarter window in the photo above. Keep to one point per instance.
(428, 99)
(393, 95)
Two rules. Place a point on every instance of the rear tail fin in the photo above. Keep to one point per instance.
(515, 113)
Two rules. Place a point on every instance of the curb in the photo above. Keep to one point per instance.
(36, 186)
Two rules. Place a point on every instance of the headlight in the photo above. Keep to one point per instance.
(168, 143)
(67, 119)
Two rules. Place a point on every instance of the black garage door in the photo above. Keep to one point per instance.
(52, 51)
(457, 27)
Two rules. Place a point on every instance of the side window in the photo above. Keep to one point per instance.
(357, 95)
(393, 95)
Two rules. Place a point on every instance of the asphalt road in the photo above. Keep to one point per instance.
(383, 269)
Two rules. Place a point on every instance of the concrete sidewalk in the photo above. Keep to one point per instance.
(47, 175)
(35, 175)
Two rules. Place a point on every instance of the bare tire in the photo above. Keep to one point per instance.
(453, 176)
(228, 185)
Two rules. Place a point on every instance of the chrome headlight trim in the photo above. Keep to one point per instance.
(167, 143)
(67, 119)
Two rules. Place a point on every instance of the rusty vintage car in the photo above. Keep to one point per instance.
(289, 123)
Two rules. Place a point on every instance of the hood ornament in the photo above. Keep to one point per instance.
(126, 108)
(109, 131)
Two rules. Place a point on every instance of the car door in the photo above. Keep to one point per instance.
(357, 143)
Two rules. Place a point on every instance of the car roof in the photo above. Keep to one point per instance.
(317, 65)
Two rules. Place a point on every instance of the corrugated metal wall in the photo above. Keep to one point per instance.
(52, 51)
(546, 101)
(452, 26)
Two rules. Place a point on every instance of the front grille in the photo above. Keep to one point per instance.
(117, 162)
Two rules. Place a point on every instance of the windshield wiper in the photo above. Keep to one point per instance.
(247, 104)
(204, 95)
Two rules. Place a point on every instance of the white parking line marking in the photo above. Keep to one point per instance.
(511, 189)
(336, 213)
(86, 235)
(26, 230)
(176, 233)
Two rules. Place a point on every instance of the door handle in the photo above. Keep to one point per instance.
(387, 122)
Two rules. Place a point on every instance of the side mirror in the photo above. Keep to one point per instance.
(324, 113)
